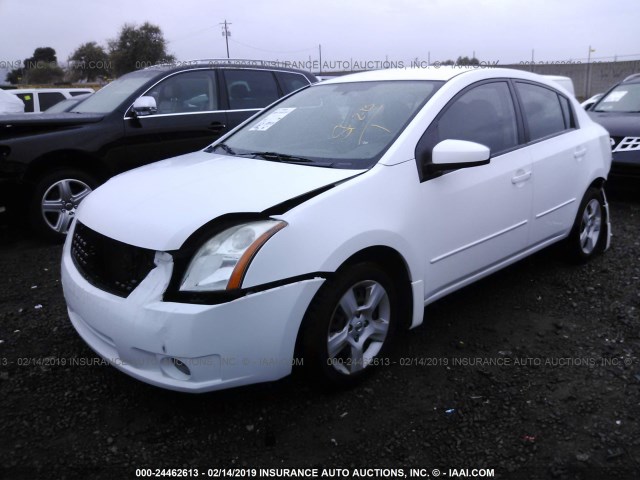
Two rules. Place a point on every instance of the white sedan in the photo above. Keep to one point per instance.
(323, 224)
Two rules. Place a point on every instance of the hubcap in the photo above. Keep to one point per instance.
(60, 201)
(358, 327)
(590, 226)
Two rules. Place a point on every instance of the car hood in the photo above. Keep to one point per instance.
(160, 205)
(33, 123)
(618, 124)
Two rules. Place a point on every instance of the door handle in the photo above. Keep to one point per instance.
(579, 152)
(216, 127)
(521, 176)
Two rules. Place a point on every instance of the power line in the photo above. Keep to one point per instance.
(274, 51)
(192, 34)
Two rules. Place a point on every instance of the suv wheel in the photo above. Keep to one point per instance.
(55, 200)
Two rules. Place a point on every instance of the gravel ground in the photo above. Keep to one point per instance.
(533, 372)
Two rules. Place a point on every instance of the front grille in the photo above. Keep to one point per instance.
(108, 264)
(626, 144)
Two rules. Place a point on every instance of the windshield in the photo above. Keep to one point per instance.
(624, 98)
(108, 98)
(345, 125)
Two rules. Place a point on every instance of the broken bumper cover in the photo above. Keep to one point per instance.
(188, 347)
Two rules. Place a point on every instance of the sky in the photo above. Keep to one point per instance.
(503, 31)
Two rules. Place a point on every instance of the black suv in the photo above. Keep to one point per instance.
(55, 160)
(619, 112)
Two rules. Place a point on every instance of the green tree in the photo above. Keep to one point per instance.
(138, 47)
(41, 55)
(44, 73)
(15, 76)
(42, 67)
(466, 61)
(89, 61)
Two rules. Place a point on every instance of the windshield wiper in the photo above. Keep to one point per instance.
(223, 146)
(277, 157)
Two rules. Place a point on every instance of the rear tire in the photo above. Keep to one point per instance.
(588, 236)
(56, 197)
(349, 325)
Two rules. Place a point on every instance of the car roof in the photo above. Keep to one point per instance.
(441, 73)
(227, 63)
(48, 90)
(635, 78)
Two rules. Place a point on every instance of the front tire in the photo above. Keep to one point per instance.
(56, 197)
(588, 236)
(349, 325)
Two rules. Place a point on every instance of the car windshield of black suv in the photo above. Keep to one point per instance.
(342, 125)
(624, 98)
(108, 98)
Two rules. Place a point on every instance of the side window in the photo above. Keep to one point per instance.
(75, 93)
(27, 98)
(290, 82)
(186, 92)
(542, 110)
(485, 115)
(250, 89)
(49, 99)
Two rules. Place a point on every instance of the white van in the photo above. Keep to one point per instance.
(39, 99)
(564, 82)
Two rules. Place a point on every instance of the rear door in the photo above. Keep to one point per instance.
(247, 92)
(557, 150)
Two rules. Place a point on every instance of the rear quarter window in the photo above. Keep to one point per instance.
(290, 82)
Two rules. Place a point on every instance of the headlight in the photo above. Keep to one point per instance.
(222, 261)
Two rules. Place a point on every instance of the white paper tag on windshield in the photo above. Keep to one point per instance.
(271, 119)
(615, 96)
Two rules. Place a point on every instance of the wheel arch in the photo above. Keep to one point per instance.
(597, 183)
(394, 264)
(83, 161)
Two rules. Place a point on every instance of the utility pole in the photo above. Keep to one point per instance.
(226, 34)
(587, 81)
(533, 51)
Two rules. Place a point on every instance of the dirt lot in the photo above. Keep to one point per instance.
(534, 373)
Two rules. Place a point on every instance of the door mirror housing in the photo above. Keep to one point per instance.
(143, 106)
(456, 154)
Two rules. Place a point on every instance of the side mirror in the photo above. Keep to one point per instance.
(144, 106)
(455, 154)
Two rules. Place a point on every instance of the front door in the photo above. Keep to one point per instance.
(476, 218)
(188, 119)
